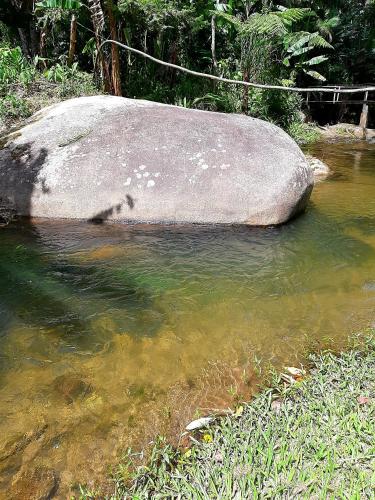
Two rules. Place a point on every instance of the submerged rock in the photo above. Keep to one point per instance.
(320, 170)
(71, 387)
(40, 483)
(107, 157)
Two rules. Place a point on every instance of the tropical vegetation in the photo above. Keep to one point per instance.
(288, 42)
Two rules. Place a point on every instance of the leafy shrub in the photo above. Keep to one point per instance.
(14, 67)
(13, 106)
(61, 72)
(303, 133)
(276, 106)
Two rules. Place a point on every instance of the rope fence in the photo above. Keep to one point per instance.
(239, 82)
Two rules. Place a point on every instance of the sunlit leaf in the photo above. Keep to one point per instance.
(316, 75)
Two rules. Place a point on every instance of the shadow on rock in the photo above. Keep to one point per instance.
(19, 173)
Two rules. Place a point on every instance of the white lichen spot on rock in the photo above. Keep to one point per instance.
(128, 181)
(139, 176)
(205, 166)
(157, 174)
(146, 174)
(150, 183)
(142, 167)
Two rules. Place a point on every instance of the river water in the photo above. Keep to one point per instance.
(110, 334)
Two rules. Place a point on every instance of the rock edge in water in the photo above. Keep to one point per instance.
(320, 170)
(106, 157)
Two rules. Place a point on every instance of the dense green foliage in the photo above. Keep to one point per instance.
(287, 42)
(24, 88)
(312, 439)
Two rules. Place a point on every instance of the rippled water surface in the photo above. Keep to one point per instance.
(107, 332)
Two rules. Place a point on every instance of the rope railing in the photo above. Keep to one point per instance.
(239, 82)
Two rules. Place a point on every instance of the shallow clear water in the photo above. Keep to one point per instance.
(107, 330)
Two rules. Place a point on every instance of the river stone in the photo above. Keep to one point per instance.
(106, 157)
(40, 483)
(320, 170)
(71, 387)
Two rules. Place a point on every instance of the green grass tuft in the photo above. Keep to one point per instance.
(304, 133)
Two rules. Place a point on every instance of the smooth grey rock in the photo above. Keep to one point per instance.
(107, 157)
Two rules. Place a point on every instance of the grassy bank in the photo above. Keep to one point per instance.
(313, 437)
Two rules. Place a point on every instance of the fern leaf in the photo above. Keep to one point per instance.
(293, 15)
(227, 18)
(270, 25)
(317, 40)
(312, 40)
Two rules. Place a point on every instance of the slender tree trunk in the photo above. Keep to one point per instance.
(97, 18)
(115, 68)
(34, 39)
(42, 47)
(73, 39)
(213, 41)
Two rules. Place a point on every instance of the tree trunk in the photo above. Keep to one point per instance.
(42, 47)
(213, 41)
(34, 38)
(73, 39)
(115, 68)
(97, 18)
(19, 15)
(24, 42)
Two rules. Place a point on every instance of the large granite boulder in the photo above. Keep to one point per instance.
(104, 157)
